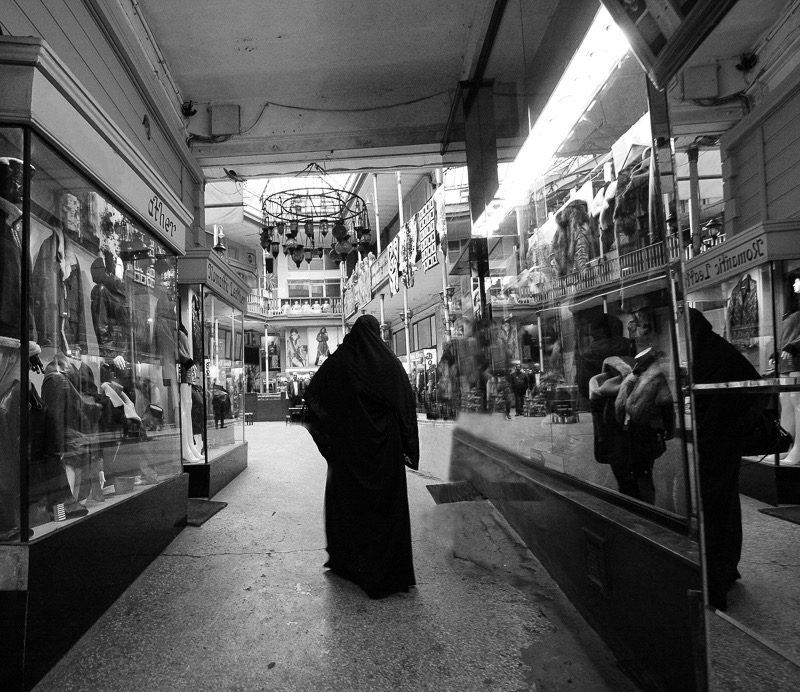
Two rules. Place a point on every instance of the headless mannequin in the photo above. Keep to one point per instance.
(189, 451)
(790, 401)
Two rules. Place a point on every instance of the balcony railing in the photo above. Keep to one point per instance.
(608, 269)
(293, 307)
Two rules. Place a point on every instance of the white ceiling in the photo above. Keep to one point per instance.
(368, 85)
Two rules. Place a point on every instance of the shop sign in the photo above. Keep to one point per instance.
(158, 212)
(428, 225)
(225, 285)
(394, 264)
(727, 260)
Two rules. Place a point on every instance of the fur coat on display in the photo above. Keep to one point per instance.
(647, 400)
(571, 243)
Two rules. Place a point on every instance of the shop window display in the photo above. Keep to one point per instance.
(102, 331)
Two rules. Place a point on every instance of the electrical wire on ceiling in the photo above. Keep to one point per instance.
(366, 109)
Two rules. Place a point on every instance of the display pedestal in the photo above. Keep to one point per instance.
(68, 578)
(266, 407)
(206, 480)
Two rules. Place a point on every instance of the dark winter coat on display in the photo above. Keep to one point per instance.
(719, 441)
(198, 410)
(75, 323)
(11, 273)
(75, 417)
(165, 337)
(48, 480)
(360, 410)
(48, 294)
(109, 311)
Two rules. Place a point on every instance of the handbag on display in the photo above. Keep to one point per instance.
(763, 434)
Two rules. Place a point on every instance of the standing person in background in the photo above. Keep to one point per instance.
(360, 411)
(719, 452)
(519, 385)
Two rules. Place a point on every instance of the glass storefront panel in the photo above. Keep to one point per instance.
(224, 375)
(104, 414)
(12, 360)
(564, 344)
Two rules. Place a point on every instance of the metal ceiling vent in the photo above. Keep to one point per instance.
(225, 120)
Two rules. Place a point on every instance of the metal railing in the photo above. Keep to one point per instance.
(608, 269)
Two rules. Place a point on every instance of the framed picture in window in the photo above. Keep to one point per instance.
(228, 345)
(237, 348)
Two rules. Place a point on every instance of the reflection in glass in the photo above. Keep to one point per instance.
(104, 422)
(12, 356)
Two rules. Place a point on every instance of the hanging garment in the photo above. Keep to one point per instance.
(198, 410)
(571, 241)
(109, 312)
(48, 293)
(48, 484)
(11, 273)
(75, 323)
(143, 327)
(743, 314)
(75, 417)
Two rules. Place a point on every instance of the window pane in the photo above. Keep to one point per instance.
(104, 298)
(11, 358)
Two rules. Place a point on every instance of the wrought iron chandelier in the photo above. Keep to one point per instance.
(316, 211)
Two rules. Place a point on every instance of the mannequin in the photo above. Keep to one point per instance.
(790, 361)
(189, 451)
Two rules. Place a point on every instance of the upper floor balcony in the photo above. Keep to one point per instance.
(293, 307)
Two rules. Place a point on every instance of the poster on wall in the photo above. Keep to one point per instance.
(273, 354)
(322, 343)
(297, 348)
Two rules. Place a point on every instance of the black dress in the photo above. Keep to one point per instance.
(360, 411)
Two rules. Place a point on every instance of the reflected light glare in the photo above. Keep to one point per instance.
(599, 55)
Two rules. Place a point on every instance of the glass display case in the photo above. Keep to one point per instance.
(89, 330)
(212, 302)
(223, 375)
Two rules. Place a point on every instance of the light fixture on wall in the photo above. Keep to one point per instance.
(219, 240)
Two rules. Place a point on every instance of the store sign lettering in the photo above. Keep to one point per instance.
(730, 262)
(427, 234)
(224, 284)
(159, 215)
(394, 265)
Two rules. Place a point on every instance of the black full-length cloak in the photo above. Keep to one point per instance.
(360, 411)
(717, 416)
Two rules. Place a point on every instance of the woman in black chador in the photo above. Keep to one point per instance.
(719, 452)
(360, 411)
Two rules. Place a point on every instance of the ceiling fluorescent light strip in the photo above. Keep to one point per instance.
(593, 63)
